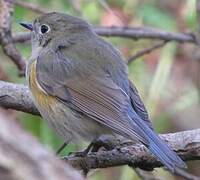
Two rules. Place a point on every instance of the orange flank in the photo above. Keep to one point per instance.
(43, 99)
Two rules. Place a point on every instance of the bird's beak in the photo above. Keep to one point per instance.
(27, 26)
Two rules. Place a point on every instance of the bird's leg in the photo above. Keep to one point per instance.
(105, 142)
(84, 152)
(108, 143)
(61, 148)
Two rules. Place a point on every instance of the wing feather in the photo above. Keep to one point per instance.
(98, 107)
(138, 105)
(97, 97)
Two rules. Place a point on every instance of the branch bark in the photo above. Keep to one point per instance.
(186, 143)
(16, 97)
(146, 51)
(22, 157)
(6, 40)
(129, 32)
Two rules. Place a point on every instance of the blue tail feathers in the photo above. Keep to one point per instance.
(168, 157)
(157, 146)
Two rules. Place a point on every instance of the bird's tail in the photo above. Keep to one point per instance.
(157, 146)
(166, 155)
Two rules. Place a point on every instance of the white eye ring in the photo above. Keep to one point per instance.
(44, 28)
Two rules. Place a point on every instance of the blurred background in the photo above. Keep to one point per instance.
(168, 78)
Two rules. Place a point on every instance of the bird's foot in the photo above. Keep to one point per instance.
(103, 143)
(79, 153)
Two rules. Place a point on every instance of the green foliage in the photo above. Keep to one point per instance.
(153, 16)
(92, 11)
(190, 14)
(161, 123)
(20, 12)
(140, 79)
(31, 123)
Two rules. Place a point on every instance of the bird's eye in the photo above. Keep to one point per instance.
(44, 29)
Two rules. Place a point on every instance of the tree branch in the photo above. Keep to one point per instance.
(5, 35)
(144, 33)
(16, 97)
(130, 32)
(186, 144)
(22, 157)
(146, 51)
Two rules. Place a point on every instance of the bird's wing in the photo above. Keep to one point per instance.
(99, 98)
(96, 97)
(138, 105)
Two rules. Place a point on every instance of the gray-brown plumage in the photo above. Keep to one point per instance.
(79, 84)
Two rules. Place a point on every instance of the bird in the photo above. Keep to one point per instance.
(79, 83)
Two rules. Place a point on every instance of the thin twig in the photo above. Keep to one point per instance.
(130, 32)
(21, 37)
(144, 33)
(106, 6)
(146, 51)
(31, 6)
(76, 5)
(6, 38)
